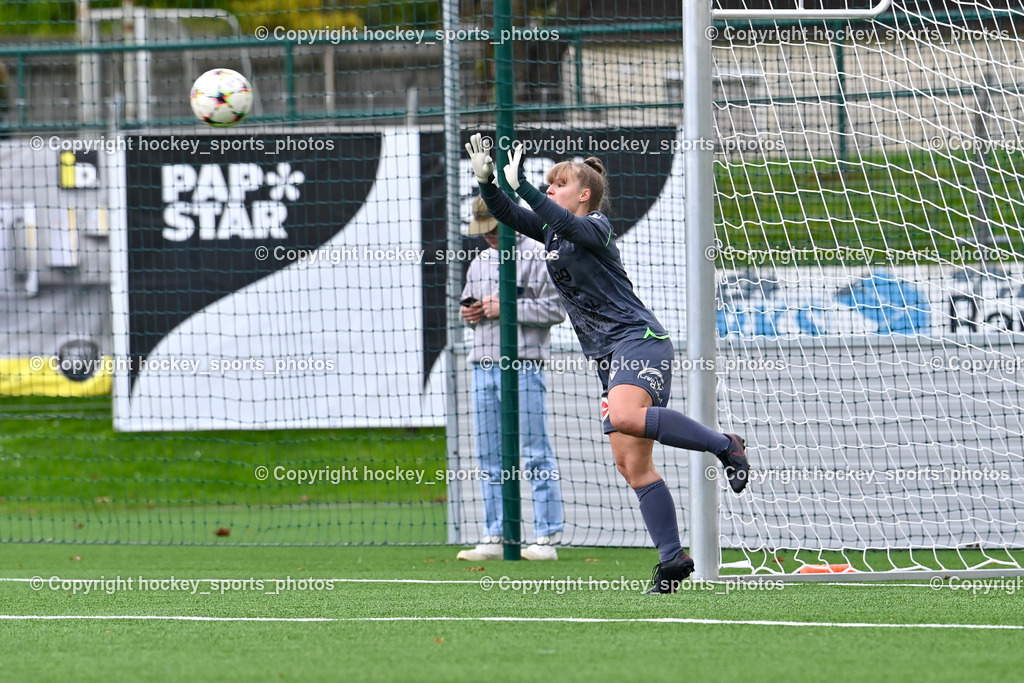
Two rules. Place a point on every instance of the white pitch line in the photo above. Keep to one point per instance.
(477, 582)
(270, 580)
(152, 617)
(439, 582)
(563, 620)
(679, 620)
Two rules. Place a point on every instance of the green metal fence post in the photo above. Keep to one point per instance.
(505, 96)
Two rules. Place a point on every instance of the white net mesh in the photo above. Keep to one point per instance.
(868, 209)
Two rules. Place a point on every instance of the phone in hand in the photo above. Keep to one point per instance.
(468, 301)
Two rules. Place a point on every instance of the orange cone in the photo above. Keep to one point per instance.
(825, 569)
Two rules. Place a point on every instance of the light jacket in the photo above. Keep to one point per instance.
(539, 306)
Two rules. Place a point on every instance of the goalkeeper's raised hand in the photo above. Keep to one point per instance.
(479, 149)
(514, 173)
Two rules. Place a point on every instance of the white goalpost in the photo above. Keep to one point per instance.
(865, 292)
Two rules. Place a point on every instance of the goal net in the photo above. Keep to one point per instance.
(871, 288)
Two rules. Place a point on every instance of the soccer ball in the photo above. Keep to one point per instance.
(221, 97)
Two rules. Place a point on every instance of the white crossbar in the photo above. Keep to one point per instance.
(798, 14)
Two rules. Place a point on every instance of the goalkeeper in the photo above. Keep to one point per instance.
(617, 331)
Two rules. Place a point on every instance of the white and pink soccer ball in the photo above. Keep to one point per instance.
(221, 97)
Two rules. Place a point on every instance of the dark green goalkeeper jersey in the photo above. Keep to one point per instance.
(585, 266)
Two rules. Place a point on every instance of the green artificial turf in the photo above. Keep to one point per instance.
(425, 616)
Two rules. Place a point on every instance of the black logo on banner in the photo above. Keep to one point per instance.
(196, 218)
(79, 170)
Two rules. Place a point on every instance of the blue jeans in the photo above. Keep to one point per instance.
(534, 447)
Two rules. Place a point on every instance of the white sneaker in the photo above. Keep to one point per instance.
(541, 550)
(490, 549)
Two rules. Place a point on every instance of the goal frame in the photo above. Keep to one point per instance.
(698, 124)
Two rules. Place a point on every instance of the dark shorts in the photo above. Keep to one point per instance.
(645, 363)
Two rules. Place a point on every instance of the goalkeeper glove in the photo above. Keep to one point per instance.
(479, 149)
(514, 172)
